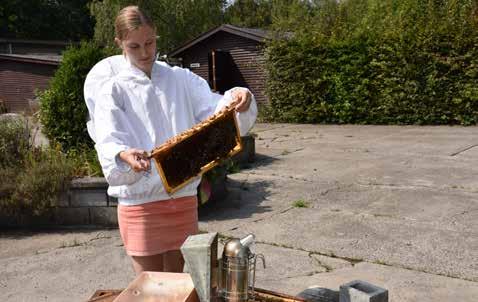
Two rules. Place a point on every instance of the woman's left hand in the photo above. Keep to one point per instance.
(241, 99)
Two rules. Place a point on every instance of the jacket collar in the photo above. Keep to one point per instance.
(138, 73)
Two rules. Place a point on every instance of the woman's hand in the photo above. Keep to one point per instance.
(137, 159)
(241, 99)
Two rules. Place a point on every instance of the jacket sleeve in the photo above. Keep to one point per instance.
(245, 119)
(205, 102)
(113, 135)
(96, 78)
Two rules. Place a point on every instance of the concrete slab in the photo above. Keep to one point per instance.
(64, 267)
(374, 239)
(395, 206)
(402, 284)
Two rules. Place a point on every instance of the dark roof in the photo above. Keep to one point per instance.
(249, 33)
(50, 59)
(37, 42)
(261, 34)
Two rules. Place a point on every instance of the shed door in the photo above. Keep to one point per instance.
(221, 69)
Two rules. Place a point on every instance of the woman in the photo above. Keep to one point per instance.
(136, 104)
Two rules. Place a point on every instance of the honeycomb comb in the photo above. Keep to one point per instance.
(197, 150)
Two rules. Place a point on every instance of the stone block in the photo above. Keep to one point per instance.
(7, 221)
(247, 153)
(64, 199)
(107, 216)
(218, 184)
(46, 219)
(88, 198)
(361, 291)
(72, 216)
(89, 183)
(319, 294)
(112, 201)
(218, 191)
(200, 255)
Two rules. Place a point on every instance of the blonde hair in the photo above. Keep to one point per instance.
(129, 19)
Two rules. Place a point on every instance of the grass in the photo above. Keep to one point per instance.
(300, 203)
(232, 167)
(73, 243)
(285, 152)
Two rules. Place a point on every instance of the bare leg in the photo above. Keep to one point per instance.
(173, 261)
(148, 263)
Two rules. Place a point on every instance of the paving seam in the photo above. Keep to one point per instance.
(357, 261)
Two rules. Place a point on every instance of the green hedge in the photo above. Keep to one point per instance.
(378, 62)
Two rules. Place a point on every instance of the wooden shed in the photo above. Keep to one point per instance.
(26, 66)
(227, 56)
(30, 47)
(21, 76)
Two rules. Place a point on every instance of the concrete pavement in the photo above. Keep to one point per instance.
(392, 205)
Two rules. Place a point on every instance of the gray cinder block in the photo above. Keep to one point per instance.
(104, 216)
(72, 216)
(88, 198)
(247, 153)
(200, 256)
(361, 291)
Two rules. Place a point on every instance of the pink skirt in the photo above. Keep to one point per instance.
(157, 227)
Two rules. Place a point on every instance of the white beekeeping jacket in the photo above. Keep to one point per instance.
(102, 72)
(129, 110)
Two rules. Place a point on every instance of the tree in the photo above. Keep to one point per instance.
(176, 20)
(104, 13)
(46, 20)
(293, 15)
(281, 15)
(249, 13)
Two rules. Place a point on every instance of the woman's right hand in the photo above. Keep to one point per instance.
(137, 159)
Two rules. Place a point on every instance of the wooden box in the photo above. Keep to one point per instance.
(261, 295)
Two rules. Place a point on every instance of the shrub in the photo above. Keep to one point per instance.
(85, 162)
(63, 111)
(41, 182)
(32, 177)
(3, 107)
(14, 141)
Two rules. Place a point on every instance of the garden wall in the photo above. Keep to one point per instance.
(86, 203)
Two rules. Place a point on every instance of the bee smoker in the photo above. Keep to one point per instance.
(238, 270)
